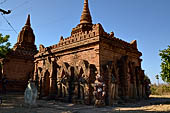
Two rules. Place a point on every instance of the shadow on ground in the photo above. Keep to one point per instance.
(14, 103)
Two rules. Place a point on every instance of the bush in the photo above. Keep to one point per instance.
(161, 89)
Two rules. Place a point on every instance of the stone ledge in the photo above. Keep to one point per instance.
(67, 47)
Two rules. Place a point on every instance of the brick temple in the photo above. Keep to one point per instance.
(18, 66)
(68, 70)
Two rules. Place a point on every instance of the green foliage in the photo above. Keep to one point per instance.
(4, 45)
(165, 65)
(162, 89)
(146, 78)
(153, 89)
(157, 77)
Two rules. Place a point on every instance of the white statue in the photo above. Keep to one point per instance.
(30, 94)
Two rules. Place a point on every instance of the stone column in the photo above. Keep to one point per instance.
(129, 86)
(116, 91)
(53, 88)
(110, 88)
(134, 90)
(35, 72)
(59, 88)
(76, 91)
(131, 90)
(43, 86)
(140, 90)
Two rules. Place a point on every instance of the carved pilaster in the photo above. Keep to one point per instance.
(53, 87)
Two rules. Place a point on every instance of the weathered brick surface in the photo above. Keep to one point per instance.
(18, 65)
(88, 51)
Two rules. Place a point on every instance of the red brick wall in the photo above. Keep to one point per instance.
(17, 72)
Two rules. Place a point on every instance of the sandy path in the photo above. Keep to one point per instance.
(14, 103)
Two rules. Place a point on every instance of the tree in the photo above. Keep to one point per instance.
(4, 45)
(147, 79)
(157, 77)
(165, 64)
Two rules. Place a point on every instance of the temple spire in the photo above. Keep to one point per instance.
(26, 37)
(28, 21)
(86, 17)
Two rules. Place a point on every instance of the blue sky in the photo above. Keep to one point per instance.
(147, 21)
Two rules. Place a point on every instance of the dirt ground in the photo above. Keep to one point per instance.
(14, 103)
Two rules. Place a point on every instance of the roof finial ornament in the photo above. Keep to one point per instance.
(28, 21)
(86, 17)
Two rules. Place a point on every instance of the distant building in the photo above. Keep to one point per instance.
(68, 69)
(18, 65)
